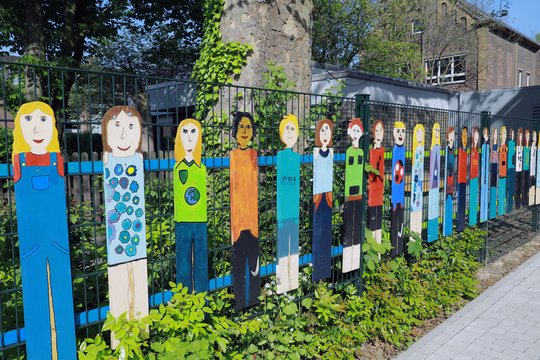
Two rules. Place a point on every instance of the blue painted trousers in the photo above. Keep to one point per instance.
(192, 255)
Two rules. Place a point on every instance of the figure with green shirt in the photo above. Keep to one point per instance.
(355, 165)
(190, 207)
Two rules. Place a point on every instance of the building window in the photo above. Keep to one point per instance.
(446, 70)
(444, 10)
(417, 27)
(463, 22)
(528, 81)
(520, 80)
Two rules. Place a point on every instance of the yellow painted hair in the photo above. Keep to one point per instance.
(19, 144)
(503, 128)
(434, 139)
(180, 151)
(288, 118)
(399, 125)
(415, 137)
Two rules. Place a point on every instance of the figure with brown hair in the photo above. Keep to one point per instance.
(244, 183)
(190, 212)
(494, 173)
(503, 171)
(511, 172)
(323, 162)
(450, 182)
(484, 176)
(474, 175)
(376, 182)
(462, 178)
(532, 184)
(519, 169)
(526, 175)
(123, 177)
(398, 189)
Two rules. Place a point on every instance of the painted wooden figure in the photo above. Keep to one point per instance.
(244, 182)
(474, 177)
(434, 184)
(323, 163)
(398, 189)
(190, 209)
(47, 291)
(526, 175)
(511, 172)
(417, 191)
(503, 173)
(123, 177)
(532, 184)
(519, 170)
(376, 182)
(288, 206)
(462, 178)
(484, 176)
(537, 183)
(450, 182)
(494, 174)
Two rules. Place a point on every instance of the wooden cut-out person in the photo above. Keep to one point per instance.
(537, 181)
(532, 184)
(511, 172)
(323, 162)
(519, 170)
(244, 177)
(484, 177)
(47, 291)
(123, 177)
(398, 189)
(462, 178)
(288, 206)
(494, 174)
(526, 175)
(450, 182)
(503, 172)
(417, 192)
(190, 209)
(376, 182)
(354, 189)
(434, 183)
(474, 175)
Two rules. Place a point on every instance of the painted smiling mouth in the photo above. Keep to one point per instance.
(189, 150)
(38, 141)
(123, 149)
(244, 137)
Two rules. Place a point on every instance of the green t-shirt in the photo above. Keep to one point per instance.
(189, 192)
(354, 171)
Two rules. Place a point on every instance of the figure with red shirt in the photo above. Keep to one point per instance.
(462, 179)
(503, 167)
(449, 185)
(494, 175)
(474, 175)
(43, 234)
(376, 183)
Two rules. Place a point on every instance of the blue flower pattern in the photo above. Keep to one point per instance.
(125, 219)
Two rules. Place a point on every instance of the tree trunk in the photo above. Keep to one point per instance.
(34, 46)
(278, 30)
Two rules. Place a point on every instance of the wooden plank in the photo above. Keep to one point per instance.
(398, 190)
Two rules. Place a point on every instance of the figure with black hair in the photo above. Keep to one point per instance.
(244, 174)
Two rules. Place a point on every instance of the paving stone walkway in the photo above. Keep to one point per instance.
(502, 323)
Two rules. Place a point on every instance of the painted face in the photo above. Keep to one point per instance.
(438, 135)
(495, 131)
(534, 137)
(512, 134)
(379, 133)
(355, 133)
(464, 138)
(420, 136)
(399, 135)
(476, 137)
(290, 135)
(37, 130)
(189, 135)
(451, 138)
(527, 138)
(244, 133)
(503, 135)
(486, 134)
(325, 135)
(123, 134)
(520, 137)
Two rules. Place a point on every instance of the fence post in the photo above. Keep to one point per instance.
(362, 110)
(485, 120)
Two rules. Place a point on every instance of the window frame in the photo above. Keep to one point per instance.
(446, 77)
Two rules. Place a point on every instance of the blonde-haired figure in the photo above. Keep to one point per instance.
(123, 178)
(288, 206)
(417, 193)
(398, 189)
(434, 183)
(43, 234)
(190, 209)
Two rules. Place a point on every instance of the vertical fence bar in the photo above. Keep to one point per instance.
(483, 254)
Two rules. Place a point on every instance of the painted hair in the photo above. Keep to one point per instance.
(111, 114)
(237, 117)
(318, 128)
(19, 143)
(287, 119)
(466, 129)
(533, 137)
(374, 126)
(399, 125)
(475, 131)
(527, 132)
(179, 150)
(494, 136)
(356, 121)
(435, 140)
(503, 129)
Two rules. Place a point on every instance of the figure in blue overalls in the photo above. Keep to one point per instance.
(43, 235)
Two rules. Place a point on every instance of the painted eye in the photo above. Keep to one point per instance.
(193, 131)
(130, 126)
(184, 131)
(28, 118)
(248, 127)
(117, 124)
(43, 118)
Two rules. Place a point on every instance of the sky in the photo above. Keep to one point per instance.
(523, 15)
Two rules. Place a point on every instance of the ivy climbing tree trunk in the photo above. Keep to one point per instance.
(278, 31)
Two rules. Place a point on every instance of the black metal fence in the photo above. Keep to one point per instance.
(80, 98)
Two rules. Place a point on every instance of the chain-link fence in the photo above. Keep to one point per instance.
(81, 97)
